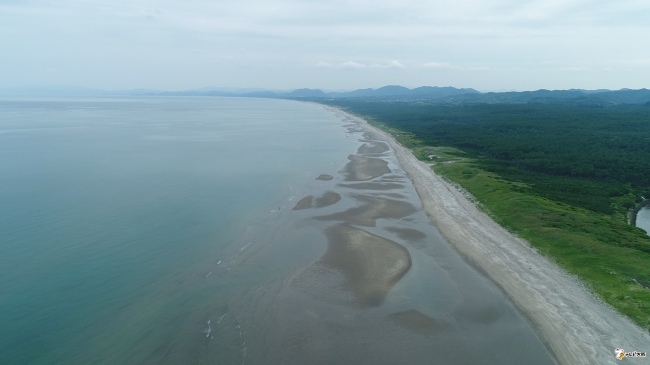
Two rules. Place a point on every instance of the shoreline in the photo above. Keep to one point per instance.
(635, 211)
(576, 327)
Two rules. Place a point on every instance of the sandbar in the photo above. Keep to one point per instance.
(324, 177)
(373, 208)
(328, 198)
(364, 168)
(371, 264)
(304, 203)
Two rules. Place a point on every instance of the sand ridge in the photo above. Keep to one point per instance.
(304, 203)
(362, 168)
(576, 327)
(324, 177)
(373, 208)
(371, 264)
(328, 198)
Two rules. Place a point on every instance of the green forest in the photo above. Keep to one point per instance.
(584, 156)
(562, 176)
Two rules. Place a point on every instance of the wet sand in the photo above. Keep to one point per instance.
(328, 198)
(417, 321)
(373, 186)
(378, 284)
(407, 234)
(371, 264)
(304, 203)
(364, 168)
(372, 208)
(324, 177)
(358, 275)
(575, 326)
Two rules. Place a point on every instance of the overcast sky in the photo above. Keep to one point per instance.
(330, 44)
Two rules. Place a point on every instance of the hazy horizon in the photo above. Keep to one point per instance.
(73, 90)
(493, 45)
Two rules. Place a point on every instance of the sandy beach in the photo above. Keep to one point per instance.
(576, 326)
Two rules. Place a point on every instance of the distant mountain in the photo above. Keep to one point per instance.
(573, 96)
(439, 92)
(191, 93)
(260, 94)
(309, 93)
(391, 92)
(453, 95)
(626, 96)
(430, 94)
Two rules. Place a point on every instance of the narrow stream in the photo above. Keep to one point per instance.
(643, 219)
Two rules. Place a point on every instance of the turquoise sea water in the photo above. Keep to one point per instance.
(161, 231)
(112, 211)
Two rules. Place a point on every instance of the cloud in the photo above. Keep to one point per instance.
(391, 64)
(347, 64)
(352, 64)
(575, 69)
(437, 65)
(193, 43)
(449, 66)
(356, 65)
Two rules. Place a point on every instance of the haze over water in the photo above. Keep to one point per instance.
(163, 230)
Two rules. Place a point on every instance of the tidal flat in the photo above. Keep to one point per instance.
(144, 241)
(384, 287)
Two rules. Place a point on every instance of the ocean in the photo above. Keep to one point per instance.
(227, 231)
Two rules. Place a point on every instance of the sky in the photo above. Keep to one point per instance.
(489, 45)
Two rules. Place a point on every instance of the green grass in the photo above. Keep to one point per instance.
(602, 250)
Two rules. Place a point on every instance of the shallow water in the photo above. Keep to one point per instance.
(643, 219)
(162, 230)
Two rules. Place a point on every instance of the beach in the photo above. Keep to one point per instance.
(576, 327)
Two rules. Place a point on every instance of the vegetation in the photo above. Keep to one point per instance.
(560, 176)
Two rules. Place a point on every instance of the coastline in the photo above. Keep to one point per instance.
(576, 327)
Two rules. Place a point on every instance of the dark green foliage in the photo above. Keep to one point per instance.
(575, 154)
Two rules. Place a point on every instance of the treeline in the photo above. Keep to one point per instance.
(596, 158)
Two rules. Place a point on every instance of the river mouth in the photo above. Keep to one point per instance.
(383, 286)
